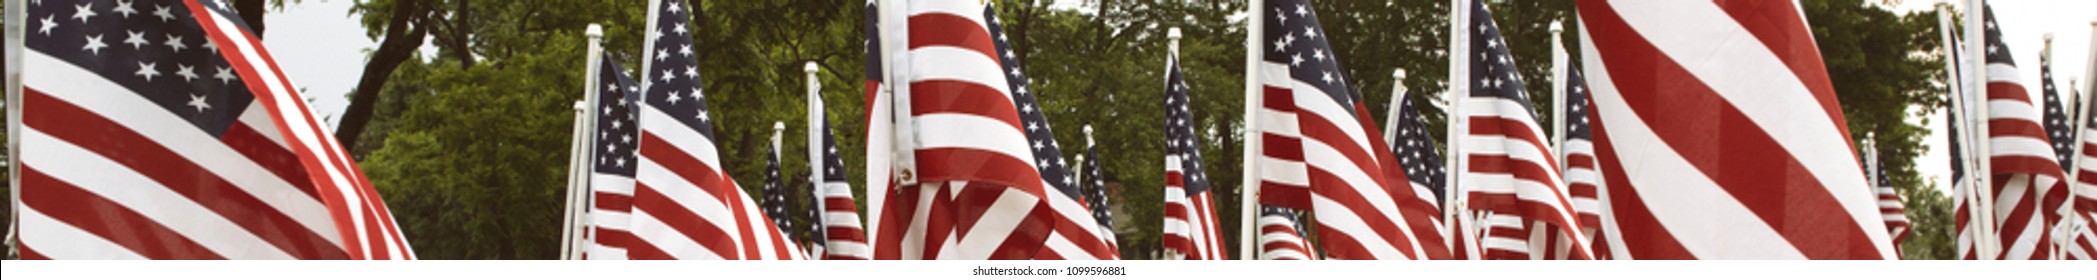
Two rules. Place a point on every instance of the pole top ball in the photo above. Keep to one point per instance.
(594, 31)
(809, 67)
(1398, 74)
(1557, 27)
(776, 126)
(1173, 33)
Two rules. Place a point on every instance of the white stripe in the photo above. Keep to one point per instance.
(1743, 71)
(959, 64)
(2000, 72)
(761, 231)
(669, 241)
(1707, 221)
(1311, 100)
(2007, 109)
(1504, 222)
(119, 184)
(289, 105)
(255, 117)
(683, 195)
(964, 131)
(1333, 216)
(673, 131)
(60, 241)
(119, 105)
(990, 231)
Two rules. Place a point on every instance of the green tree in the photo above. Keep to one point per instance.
(1886, 89)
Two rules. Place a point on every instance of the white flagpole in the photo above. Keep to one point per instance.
(1249, 190)
(1977, 61)
(1558, 83)
(816, 124)
(573, 219)
(1391, 115)
(1871, 161)
(1459, 86)
(1079, 167)
(15, 14)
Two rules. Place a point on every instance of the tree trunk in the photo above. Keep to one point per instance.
(400, 45)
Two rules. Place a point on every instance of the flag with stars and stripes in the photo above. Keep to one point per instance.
(612, 167)
(1581, 178)
(685, 206)
(1783, 182)
(1422, 163)
(1890, 209)
(161, 129)
(1511, 171)
(2081, 241)
(990, 182)
(2028, 181)
(774, 200)
(1281, 236)
(1096, 198)
(1191, 230)
(843, 237)
(1319, 148)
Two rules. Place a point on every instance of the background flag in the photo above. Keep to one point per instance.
(1510, 169)
(1191, 230)
(612, 167)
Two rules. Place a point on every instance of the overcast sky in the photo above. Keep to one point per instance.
(325, 54)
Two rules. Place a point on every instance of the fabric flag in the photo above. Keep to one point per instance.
(2028, 179)
(1783, 182)
(1318, 149)
(684, 205)
(1281, 237)
(1967, 228)
(1510, 170)
(164, 130)
(1096, 198)
(1581, 178)
(774, 201)
(612, 168)
(843, 238)
(1890, 208)
(1191, 230)
(2081, 242)
(990, 180)
(1421, 161)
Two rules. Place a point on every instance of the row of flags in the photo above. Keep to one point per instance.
(1691, 130)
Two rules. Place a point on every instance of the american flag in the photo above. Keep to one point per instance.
(1580, 176)
(1281, 237)
(1890, 209)
(1422, 162)
(2025, 167)
(684, 205)
(1783, 182)
(1966, 227)
(612, 167)
(1191, 230)
(2081, 242)
(1096, 197)
(1318, 149)
(843, 238)
(163, 130)
(1510, 170)
(990, 180)
(774, 201)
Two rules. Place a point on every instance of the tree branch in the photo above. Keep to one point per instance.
(401, 42)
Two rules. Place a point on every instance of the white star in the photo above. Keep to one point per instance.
(661, 54)
(210, 46)
(197, 101)
(47, 26)
(1014, 73)
(136, 39)
(1310, 33)
(84, 11)
(1280, 44)
(673, 7)
(175, 42)
(679, 29)
(1281, 16)
(1295, 59)
(1318, 54)
(691, 72)
(187, 73)
(702, 115)
(94, 44)
(163, 13)
(654, 34)
(147, 70)
(686, 50)
(224, 75)
(1022, 91)
(1327, 77)
(667, 75)
(124, 7)
(673, 98)
(1301, 11)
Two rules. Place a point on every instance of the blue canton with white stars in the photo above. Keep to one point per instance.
(1492, 64)
(2058, 129)
(154, 48)
(673, 86)
(615, 120)
(1576, 106)
(1416, 150)
(774, 200)
(1294, 37)
(1096, 190)
(1048, 158)
(1179, 130)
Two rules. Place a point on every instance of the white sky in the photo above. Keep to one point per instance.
(2024, 24)
(323, 49)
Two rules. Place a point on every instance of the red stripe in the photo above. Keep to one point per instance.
(700, 230)
(1782, 28)
(1352, 201)
(1023, 241)
(1317, 128)
(978, 166)
(939, 220)
(148, 158)
(1516, 130)
(1684, 113)
(962, 97)
(2008, 91)
(1519, 169)
(1422, 215)
(1580, 161)
(613, 202)
(699, 173)
(106, 219)
(269, 155)
(1071, 229)
(28, 253)
(950, 30)
(896, 217)
(740, 213)
(1204, 205)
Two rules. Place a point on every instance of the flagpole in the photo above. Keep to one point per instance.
(1558, 82)
(1459, 85)
(816, 124)
(1977, 60)
(15, 14)
(1079, 172)
(1391, 115)
(572, 220)
(1249, 189)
